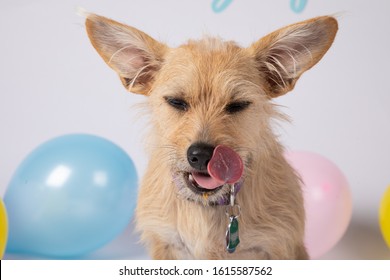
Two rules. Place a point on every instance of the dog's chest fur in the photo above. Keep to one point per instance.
(198, 232)
(175, 228)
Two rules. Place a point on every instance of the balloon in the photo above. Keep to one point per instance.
(384, 216)
(3, 228)
(328, 201)
(70, 196)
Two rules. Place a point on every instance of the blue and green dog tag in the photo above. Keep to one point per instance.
(232, 238)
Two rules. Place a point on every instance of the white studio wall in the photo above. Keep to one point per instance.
(52, 82)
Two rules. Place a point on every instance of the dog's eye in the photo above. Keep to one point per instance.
(236, 107)
(177, 103)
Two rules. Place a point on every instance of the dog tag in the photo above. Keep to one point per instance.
(232, 238)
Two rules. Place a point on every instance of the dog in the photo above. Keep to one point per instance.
(217, 185)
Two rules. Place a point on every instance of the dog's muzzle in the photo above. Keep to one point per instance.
(213, 167)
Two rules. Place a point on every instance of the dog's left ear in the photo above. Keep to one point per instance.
(134, 55)
(285, 54)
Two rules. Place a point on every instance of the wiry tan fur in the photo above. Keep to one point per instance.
(209, 74)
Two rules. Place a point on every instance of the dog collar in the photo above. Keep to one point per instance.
(226, 199)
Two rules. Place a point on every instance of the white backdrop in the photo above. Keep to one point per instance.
(52, 82)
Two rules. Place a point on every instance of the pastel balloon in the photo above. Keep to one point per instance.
(70, 196)
(384, 216)
(3, 228)
(327, 198)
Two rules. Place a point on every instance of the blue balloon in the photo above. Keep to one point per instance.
(70, 196)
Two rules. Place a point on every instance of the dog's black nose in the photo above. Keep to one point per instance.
(199, 155)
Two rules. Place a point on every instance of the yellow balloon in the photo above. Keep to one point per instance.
(384, 216)
(3, 228)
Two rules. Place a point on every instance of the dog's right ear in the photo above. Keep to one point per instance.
(134, 55)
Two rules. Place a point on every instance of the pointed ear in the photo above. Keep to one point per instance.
(285, 54)
(134, 55)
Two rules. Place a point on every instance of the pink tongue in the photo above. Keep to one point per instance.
(225, 166)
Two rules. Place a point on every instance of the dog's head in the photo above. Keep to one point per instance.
(210, 92)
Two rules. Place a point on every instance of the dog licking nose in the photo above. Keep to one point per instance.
(215, 91)
(223, 164)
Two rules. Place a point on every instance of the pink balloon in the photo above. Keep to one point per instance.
(328, 201)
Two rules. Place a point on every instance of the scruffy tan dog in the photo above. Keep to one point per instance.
(217, 185)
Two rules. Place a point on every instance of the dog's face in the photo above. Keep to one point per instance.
(207, 93)
(210, 92)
